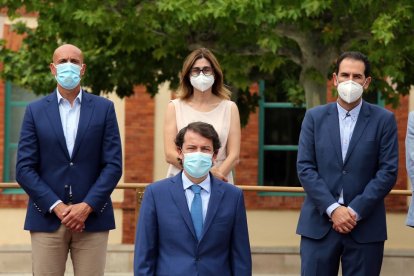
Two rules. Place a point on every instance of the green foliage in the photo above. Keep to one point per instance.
(130, 42)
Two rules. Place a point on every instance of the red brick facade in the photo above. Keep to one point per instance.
(399, 203)
(139, 152)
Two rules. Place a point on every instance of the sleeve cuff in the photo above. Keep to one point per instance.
(54, 205)
(331, 208)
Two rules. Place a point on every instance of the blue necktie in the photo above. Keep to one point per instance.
(197, 210)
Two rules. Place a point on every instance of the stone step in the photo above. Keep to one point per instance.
(16, 260)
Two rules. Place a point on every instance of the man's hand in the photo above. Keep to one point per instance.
(60, 210)
(218, 174)
(343, 220)
(76, 215)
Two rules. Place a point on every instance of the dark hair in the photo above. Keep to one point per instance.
(356, 56)
(204, 129)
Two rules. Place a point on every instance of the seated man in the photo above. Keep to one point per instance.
(193, 223)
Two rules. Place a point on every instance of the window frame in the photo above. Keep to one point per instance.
(9, 146)
(263, 105)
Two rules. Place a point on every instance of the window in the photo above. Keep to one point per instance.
(279, 126)
(16, 100)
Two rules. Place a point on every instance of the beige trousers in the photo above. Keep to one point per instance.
(50, 252)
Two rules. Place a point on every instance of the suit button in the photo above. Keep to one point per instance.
(197, 259)
(344, 172)
(71, 164)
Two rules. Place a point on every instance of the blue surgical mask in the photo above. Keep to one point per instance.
(68, 75)
(197, 164)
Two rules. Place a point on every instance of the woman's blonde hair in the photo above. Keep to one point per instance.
(185, 89)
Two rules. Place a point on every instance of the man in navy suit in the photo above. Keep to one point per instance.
(171, 238)
(69, 160)
(347, 163)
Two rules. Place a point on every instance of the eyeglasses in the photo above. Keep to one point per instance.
(207, 71)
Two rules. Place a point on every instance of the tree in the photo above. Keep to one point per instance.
(130, 42)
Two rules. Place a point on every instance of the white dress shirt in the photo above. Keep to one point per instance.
(205, 192)
(69, 116)
(347, 122)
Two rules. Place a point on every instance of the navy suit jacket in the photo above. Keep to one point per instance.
(366, 176)
(166, 243)
(45, 170)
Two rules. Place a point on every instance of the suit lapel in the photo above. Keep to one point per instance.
(52, 111)
(333, 129)
(86, 112)
(216, 196)
(178, 195)
(360, 125)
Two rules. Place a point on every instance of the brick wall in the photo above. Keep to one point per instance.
(246, 172)
(139, 152)
(399, 203)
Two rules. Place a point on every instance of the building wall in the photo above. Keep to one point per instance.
(161, 101)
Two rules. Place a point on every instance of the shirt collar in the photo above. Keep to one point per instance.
(205, 184)
(59, 96)
(353, 112)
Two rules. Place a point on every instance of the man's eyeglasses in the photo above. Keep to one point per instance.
(207, 71)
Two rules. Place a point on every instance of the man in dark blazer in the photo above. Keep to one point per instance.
(69, 160)
(347, 163)
(168, 241)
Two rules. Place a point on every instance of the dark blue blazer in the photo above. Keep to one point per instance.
(45, 170)
(366, 176)
(166, 243)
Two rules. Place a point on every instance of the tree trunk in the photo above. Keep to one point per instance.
(315, 92)
(316, 60)
(316, 63)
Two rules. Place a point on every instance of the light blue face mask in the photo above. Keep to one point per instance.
(68, 75)
(197, 164)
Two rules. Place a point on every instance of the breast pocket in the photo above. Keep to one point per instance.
(221, 226)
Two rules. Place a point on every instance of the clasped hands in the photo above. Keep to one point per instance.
(73, 216)
(344, 220)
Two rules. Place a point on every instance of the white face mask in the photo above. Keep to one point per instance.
(202, 82)
(350, 91)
